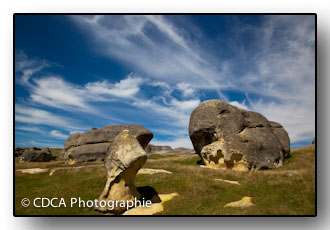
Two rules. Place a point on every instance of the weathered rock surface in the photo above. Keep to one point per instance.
(228, 137)
(37, 154)
(122, 163)
(282, 136)
(94, 144)
(167, 150)
(20, 150)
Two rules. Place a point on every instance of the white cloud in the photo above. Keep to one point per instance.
(58, 134)
(285, 75)
(186, 89)
(58, 93)
(279, 76)
(125, 88)
(27, 67)
(186, 106)
(30, 129)
(280, 67)
(55, 92)
(240, 105)
(172, 57)
(31, 115)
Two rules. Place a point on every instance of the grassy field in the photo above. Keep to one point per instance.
(289, 190)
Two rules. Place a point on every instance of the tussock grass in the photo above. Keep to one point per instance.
(289, 190)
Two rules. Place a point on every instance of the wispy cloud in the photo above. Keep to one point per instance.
(125, 88)
(27, 67)
(30, 129)
(172, 71)
(279, 65)
(30, 115)
(285, 75)
(58, 134)
(152, 46)
(54, 91)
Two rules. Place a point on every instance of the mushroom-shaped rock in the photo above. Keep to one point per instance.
(122, 163)
(93, 145)
(228, 137)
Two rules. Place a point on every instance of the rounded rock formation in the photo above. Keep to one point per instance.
(94, 144)
(228, 137)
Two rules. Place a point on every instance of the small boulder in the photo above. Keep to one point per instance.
(20, 150)
(37, 154)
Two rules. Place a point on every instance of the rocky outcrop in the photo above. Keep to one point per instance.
(122, 163)
(94, 144)
(37, 154)
(20, 150)
(228, 137)
(167, 150)
(160, 149)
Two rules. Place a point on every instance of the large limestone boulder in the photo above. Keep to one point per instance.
(122, 163)
(94, 144)
(37, 154)
(228, 137)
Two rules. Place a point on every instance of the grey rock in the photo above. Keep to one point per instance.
(94, 144)
(282, 136)
(313, 141)
(37, 154)
(224, 135)
(20, 150)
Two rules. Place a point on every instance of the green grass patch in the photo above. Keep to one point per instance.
(289, 190)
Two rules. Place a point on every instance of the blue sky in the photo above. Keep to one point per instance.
(73, 73)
